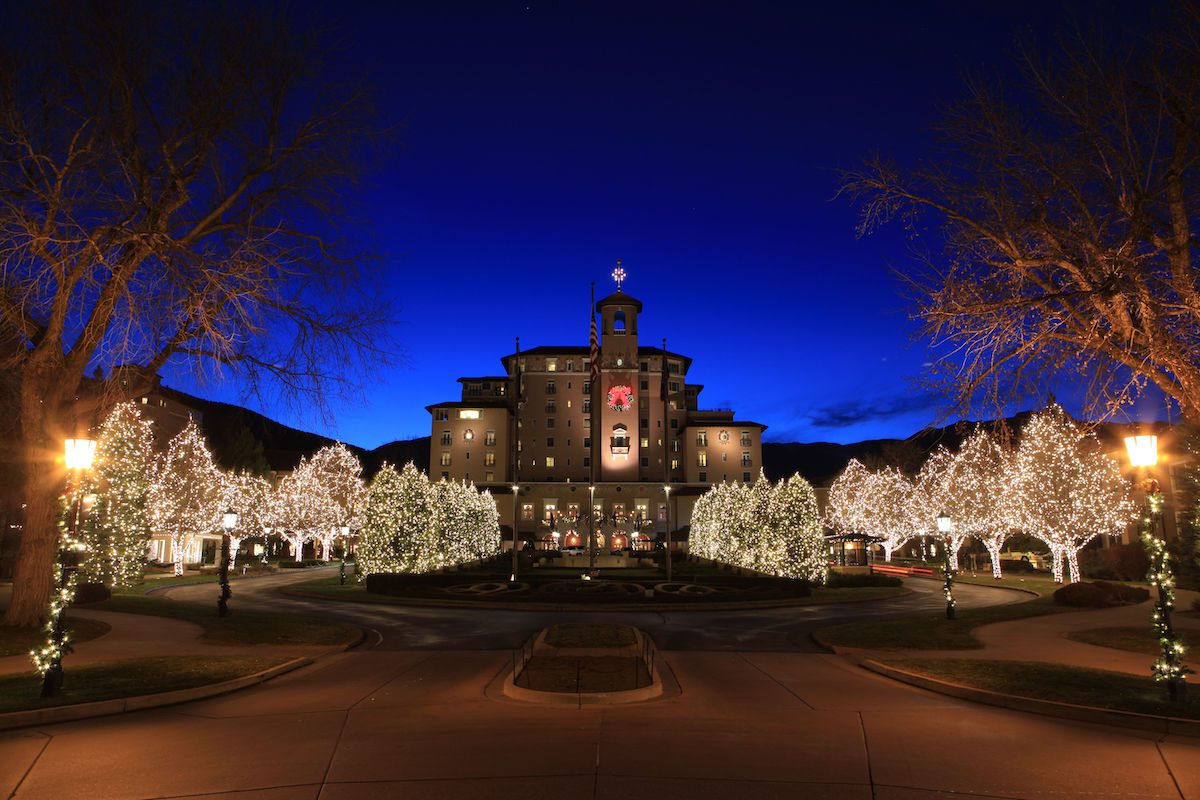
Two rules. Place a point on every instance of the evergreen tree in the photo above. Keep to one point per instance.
(118, 529)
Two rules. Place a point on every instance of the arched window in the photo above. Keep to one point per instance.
(620, 439)
(619, 323)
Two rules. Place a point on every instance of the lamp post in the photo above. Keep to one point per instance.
(667, 492)
(516, 490)
(944, 526)
(591, 545)
(1143, 454)
(229, 521)
(78, 454)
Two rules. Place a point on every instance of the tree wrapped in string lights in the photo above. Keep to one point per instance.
(186, 492)
(976, 489)
(300, 507)
(1064, 490)
(770, 528)
(249, 496)
(1169, 666)
(337, 475)
(117, 531)
(879, 504)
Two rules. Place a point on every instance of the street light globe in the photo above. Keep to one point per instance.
(943, 522)
(1143, 450)
(79, 453)
(229, 520)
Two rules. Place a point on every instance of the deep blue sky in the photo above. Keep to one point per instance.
(697, 142)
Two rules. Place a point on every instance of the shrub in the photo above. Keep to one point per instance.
(1099, 594)
(91, 592)
(1122, 562)
(308, 562)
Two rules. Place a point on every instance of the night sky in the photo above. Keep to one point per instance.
(700, 143)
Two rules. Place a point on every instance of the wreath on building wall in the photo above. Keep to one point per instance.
(620, 398)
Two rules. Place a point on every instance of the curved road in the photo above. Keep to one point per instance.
(411, 718)
(444, 628)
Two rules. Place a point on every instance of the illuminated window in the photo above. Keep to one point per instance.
(549, 462)
(489, 459)
(527, 511)
(489, 477)
(701, 438)
(489, 438)
(468, 413)
(445, 459)
(645, 441)
(551, 365)
(702, 459)
(745, 438)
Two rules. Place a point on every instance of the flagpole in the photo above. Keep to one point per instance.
(594, 357)
(516, 457)
(666, 385)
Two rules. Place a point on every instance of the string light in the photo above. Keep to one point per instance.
(186, 492)
(1169, 665)
(770, 528)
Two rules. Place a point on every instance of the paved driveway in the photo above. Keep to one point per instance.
(415, 723)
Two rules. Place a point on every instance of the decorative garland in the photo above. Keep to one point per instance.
(1169, 666)
(58, 639)
(620, 398)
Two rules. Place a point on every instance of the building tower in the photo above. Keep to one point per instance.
(619, 393)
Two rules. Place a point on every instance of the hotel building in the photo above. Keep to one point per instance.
(540, 424)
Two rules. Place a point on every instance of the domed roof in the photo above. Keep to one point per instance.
(619, 298)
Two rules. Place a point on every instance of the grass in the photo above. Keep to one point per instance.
(1076, 685)
(1031, 582)
(128, 678)
(158, 583)
(931, 630)
(1135, 640)
(589, 635)
(583, 674)
(240, 627)
(19, 641)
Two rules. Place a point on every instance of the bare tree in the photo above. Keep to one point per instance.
(169, 182)
(1066, 206)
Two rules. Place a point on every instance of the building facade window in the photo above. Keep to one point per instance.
(549, 462)
(489, 438)
(527, 511)
(446, 439)
(702, 459)
(550, 407)
(745, 438)
(745, 477)
(550, 388)
(746, 460)
(703, 477)
(549, 441)
(551, 365)
(445, 459)
(489, 459)
(701, 438)
(645, 441)
(674, 424)
(549, 422)
(439, 414)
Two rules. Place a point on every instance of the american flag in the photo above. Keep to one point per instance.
(594, 342)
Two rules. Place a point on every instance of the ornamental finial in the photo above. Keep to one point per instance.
(618, 274)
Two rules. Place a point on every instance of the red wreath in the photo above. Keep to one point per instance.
(620, 398)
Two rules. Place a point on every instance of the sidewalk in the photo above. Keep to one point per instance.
(1044, 639)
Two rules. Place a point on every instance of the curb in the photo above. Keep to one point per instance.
(1050, 708)
(121, 705)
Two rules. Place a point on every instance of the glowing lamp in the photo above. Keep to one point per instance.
(943, 522)
(229, 520)
(1143, 450)
(80, 452)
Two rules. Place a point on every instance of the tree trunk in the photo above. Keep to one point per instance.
(44, 483)
(887, 551)
(1056, 554)
(178, 546)
(994, 554)
(234, 544)
(1073, 563)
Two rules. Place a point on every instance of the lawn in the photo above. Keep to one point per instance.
(136, 676)
(931, 630)
(1063, 684)
(1030, 582)
(1136, 640)
(584, 674)
(160, 583)
(587, 635)
(240, 627)
(19, 641)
